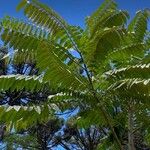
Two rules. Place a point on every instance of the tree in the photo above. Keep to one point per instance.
(109, 82)
(38, 137)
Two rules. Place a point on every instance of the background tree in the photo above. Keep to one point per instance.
(44, 135)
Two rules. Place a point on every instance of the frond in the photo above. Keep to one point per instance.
(20, 82)
(56, 71)
(22, 117)
(137, 71)
(42, 15)
(13, 24)
(118, 79)
(111, 19)
(24, 38)
(101, 12)
(125, 54)
(135, 88)
(139, 25)
(28, 46)
(48, 19)
(69, 99)
(20, 35)
(26, 57)
(104, 42)
(146, 59)
(118, 18)
(70, 39)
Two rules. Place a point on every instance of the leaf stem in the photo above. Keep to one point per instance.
(94, 93)
(102, 107)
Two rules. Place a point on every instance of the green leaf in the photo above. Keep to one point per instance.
(21, 4)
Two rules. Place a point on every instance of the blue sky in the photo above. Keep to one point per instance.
(74, 11)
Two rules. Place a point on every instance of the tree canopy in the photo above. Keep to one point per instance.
(101, 71)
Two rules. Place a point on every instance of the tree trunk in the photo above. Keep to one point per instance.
(130, 130)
